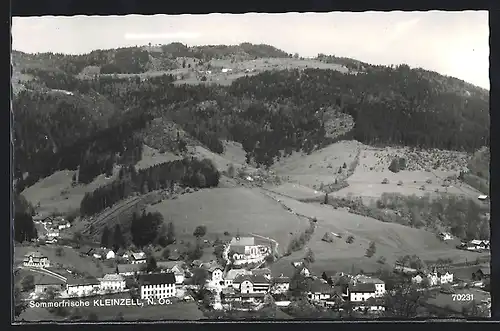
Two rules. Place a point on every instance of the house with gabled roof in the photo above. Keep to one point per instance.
(232, 274)
(130, 269)
(252, 284)
(482, 273)
(320, 290)
(81, 287)
(36, 260)
(280, 284)
(379, 284)
(137, 258)
(361, 292)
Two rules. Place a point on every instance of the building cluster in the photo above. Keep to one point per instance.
(475, 245)
(52, 226)
(434, 277)
(246, 250)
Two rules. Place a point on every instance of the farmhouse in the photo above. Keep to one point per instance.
(110, 255)
(362, 292)
(445, 236)
(45, 282)
(379, 284)
(280, 285)
(370, 305)
(440, 278)
(233, 274)
(252, 284)
(52, 233)
(159, 286)
(36, 260)
(178, 268)
(482, 197)
(301, 268)
(480, 244)
(320, 290)
(216, 274)
(246, 248)
(481, 274)
(80, 287)
(130, 269)
(137, 258)
(112, 282)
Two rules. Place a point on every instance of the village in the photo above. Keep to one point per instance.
(240, 280)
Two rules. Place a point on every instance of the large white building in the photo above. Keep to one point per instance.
(252, 284)
(36, 260)
(112, 282)
(362, 292)
(136, 258)
(81, 287)
(158, 286)
(241, 248)
(232, 275)
(379, 284)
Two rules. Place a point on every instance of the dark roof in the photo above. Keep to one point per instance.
(157, 279)
(244, 295)
(169, 264)
(263, 271)
(485, 270)
(282, 280)
(318, 286)
(237, 249)
(86, 249)
(122, 268)
(254, 279)
(82, 281)
(48, 280)
(363, 287)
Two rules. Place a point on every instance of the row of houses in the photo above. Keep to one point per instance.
(475, 245)
(69, 285)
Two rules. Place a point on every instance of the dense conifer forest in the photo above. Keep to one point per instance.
(271, 113)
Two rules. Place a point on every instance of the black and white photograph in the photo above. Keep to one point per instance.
(288, 166)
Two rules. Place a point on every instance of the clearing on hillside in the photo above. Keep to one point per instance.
(419, 178)
(392, 240)
(231, 209)
(56, 194)
(223, 161)
(151, 156)
(321, 166)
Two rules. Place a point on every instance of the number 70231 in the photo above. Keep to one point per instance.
(462, 297)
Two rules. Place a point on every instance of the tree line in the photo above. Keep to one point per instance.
(187, 172)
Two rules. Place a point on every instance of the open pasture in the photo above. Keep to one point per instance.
(233, 210)
(391, 240)
(321, 166)
(56, 193)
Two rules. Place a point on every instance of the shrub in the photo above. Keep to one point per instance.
(400, 183)
(350, 240)
(381, 260)
(394, 166)
(371, 250)
(385, 181)
(429, 181)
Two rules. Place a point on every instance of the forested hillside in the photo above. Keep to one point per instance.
(271, 114)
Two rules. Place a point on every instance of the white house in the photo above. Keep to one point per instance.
(159, 286)
(482, 197)
(252, 284)
(379, 284)
(480, 244)
(301, 268)
(112, 282)
(97, 256)
(232, 275)
(138, 258)
(53, 233)
(110, 255)
(36, 260)
(445, 236)
(362, 292)
(225, 70)
(64, 226)
(80, 287)
(216, 274)
(280, 284)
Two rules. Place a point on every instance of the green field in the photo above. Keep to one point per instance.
(231, 209)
